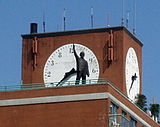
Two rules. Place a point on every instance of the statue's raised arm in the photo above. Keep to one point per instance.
(74, 51)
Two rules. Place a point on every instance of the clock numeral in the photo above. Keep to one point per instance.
(59, 54)
(52, 63)
(71, 50)
(90, 60)
(48, 74)
(94, 70)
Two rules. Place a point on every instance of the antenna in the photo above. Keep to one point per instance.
(91, 17)
(64, 19)
(154, 100)
(127, 19)
(108, 20)
(134, 18)
(44, 25)
(122, 22)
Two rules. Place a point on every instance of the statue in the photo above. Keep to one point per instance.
(82, 66)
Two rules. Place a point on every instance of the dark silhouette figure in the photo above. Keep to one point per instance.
(82, 67)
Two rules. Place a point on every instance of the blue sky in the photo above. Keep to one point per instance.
(16, 16)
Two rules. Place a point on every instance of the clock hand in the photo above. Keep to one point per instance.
(67, 75)
(131, 86)
(133, 79)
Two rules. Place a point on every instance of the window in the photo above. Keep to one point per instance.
(133, 123)
(124, 113)
(125, 122)
(113, 108)
(113, 115)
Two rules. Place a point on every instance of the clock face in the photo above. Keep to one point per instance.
(132, 74)
(62, 66)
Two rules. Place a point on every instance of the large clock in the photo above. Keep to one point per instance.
(61, 65)
(132, 75)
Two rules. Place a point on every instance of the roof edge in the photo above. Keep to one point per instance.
(81, 31)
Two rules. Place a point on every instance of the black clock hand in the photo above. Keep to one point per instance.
(67, 75)
(131, 85)
(133, 79)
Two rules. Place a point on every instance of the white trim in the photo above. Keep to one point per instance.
(51, 99)
(66, 98)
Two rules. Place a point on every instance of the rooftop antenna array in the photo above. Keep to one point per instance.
(44, 24)
(91, 17)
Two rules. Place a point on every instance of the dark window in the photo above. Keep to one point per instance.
(113, 108)
(133, 123)
(125, 122)
(113, 115)
(124, 113)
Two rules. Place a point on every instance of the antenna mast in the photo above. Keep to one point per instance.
(44, 24)
(134, 18)
(108, 19)
(91, 17)
(64, 19)
(154, 100)
(127, 19)
(122, 22)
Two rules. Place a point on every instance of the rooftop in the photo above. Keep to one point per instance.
(82, 31)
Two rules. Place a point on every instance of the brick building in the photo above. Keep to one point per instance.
(49, 95)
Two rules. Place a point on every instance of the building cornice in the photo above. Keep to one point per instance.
(82, 31)
(69, 98)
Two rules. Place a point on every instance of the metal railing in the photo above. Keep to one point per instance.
(118, 120)
(52, 85)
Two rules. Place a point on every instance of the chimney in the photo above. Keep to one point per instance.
(33, 28)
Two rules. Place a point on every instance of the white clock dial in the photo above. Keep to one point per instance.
(62, 60)
(132, 74)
